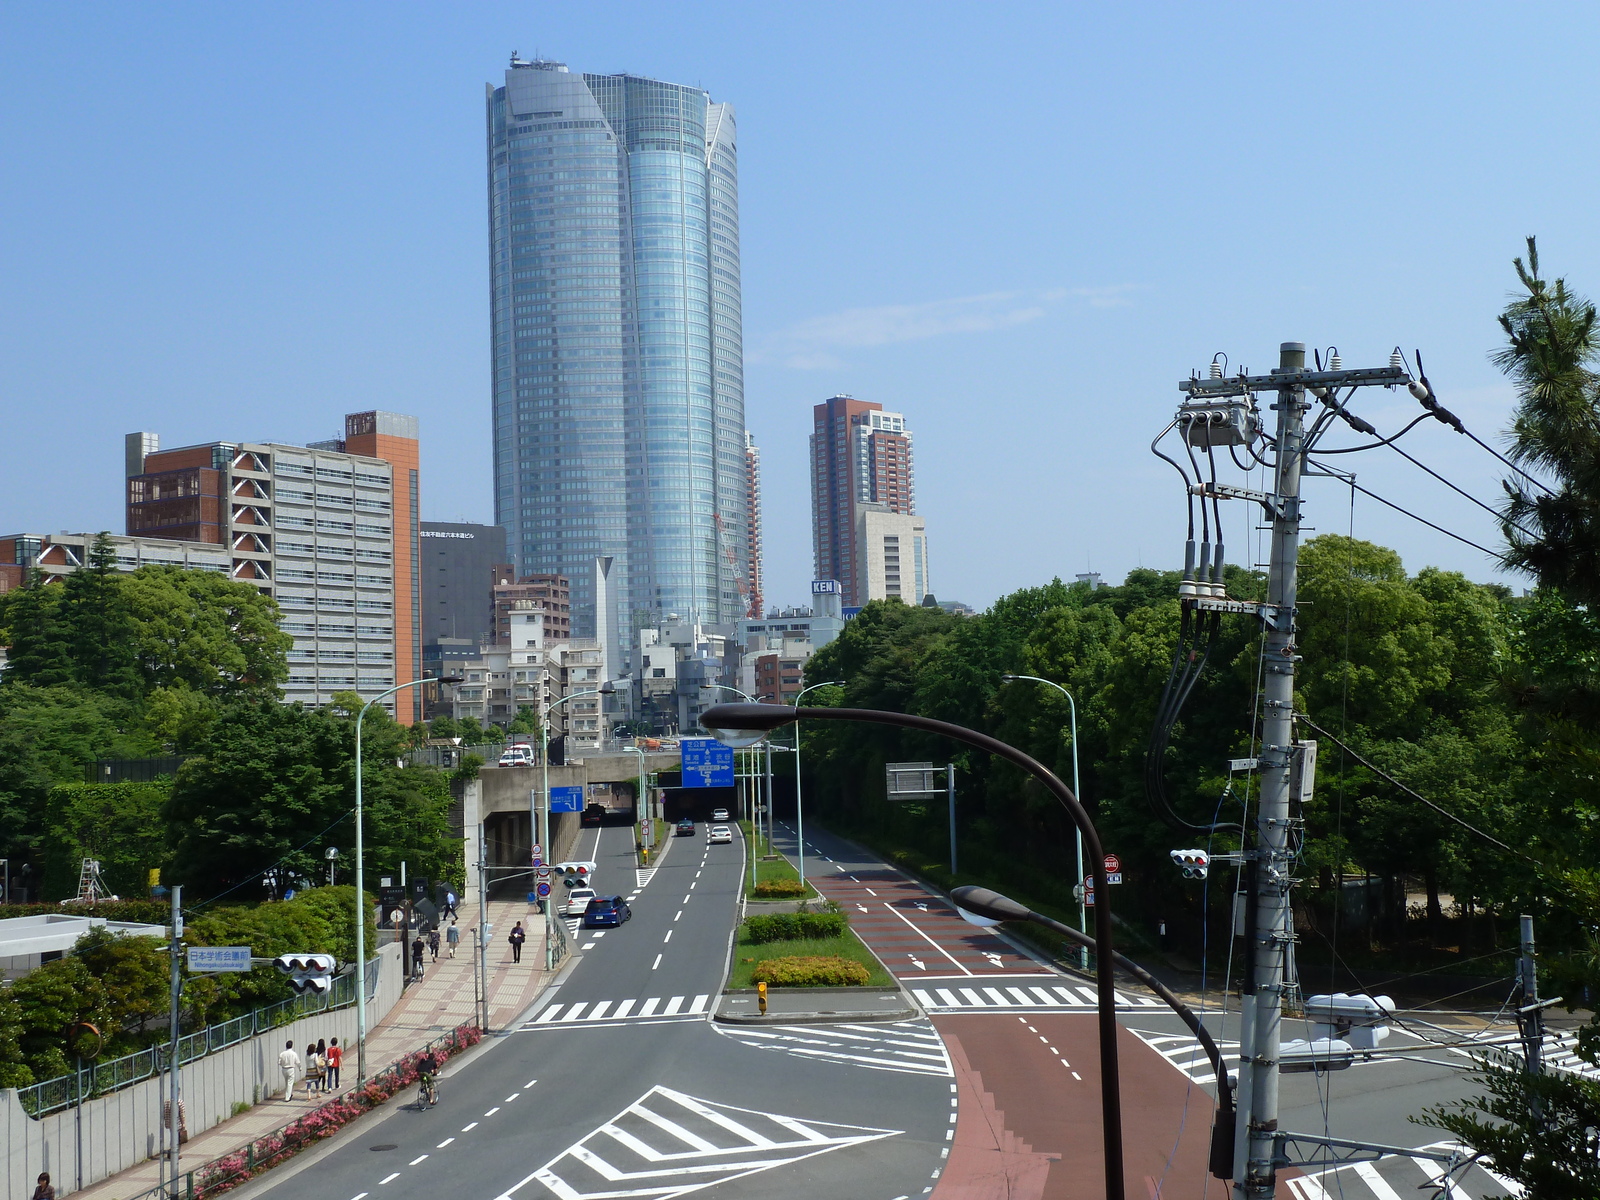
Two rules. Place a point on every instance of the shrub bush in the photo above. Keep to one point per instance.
(779, 889)
(786, 927)
(812, 970)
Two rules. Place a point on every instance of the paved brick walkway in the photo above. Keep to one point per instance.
(440, 1002)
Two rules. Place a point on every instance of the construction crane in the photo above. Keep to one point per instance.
(733, 565)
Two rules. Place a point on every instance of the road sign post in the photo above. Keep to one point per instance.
(705, 763)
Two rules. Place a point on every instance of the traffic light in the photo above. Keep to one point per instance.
(1195, 864)
(307, 972)
(1358, 1020)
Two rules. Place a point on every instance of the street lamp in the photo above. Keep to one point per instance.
(1083, 910)
(361, 878)
(641, 801)
(799, 806)
(605, 689)
(741, 725)
(753, 791)
(984, 907)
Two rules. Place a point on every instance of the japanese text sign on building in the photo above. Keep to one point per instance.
(706, 762)
(566, 799)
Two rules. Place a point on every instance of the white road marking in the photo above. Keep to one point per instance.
(657, 963)
(623, 1010)
(492, 1111)
(529, 1084)
(386, 1179)
(678, 914)
(650, 1005)
(469, 1128)
(440, 1146)
(668, 938)
(673, 1006)
(928, 939)
(414, 1161)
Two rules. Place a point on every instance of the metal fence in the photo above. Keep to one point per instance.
(40, 1099)
(449, 757)
(132, 770)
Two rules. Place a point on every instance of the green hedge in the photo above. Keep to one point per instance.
(811, 971)
(787, 927)
(779, 889)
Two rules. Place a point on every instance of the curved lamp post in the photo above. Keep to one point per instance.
(1083, 909)
(799, 804)
(361, 880)
(982, 906)
(740, 725)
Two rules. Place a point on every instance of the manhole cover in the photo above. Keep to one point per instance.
(385, 1146)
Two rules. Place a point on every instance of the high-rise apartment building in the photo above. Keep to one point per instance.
(549, 595)
(752, 472)
(860, 455)
(330, 530)
(618, 405)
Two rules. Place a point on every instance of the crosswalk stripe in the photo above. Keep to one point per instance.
(548, 1015)
(623, 1009)
(948, 997)
(909, 1048)
(1042, 994)
(699, 1005)
(672, 1007)
(1022, 996)
(576, 1011)
(997, 997)
(599, 1010)
(972, 997)
(650, 1007)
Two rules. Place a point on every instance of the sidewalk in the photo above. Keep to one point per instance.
(440, 1002)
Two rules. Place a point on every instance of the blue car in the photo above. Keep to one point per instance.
(606, 911)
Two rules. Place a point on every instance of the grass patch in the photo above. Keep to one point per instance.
(747, 954)
(772, 870)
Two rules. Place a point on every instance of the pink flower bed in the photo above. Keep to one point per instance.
(267, 1151)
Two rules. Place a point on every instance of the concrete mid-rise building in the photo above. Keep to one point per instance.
(329, 530)
(860, 457)
(892, 556)
(460, 562)
(550, 594)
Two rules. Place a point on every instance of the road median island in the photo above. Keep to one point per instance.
(816, 970)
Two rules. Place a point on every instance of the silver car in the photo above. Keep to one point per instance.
(720, 833)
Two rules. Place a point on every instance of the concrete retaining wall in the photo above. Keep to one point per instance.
(122, 1129)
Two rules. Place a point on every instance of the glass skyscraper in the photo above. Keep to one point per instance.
(618, 368)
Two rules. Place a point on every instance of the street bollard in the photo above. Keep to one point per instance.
(761, 998)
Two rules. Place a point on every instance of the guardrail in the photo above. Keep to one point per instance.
(46, 1097)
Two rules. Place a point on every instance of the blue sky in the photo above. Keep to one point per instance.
(1020, 224)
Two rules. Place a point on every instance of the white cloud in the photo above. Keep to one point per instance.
(809, 344)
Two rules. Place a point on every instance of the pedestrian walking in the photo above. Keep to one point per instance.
(417, 948)
(517, 936)
(450, 905)
(289, 1066)
(43, 1190)
(453, 937)
(317, 1067)
(433, 943)
(335, 1061)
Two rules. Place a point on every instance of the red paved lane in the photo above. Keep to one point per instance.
(916, 932)
(1028, 1123)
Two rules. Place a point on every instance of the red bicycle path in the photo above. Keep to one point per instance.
(1028, 1083)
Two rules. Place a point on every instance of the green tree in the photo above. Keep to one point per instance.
(119, 824)
(443, 727)
(37, 649)
(14, 1072)
(526, 720)
(203, 632)
(51, 999)
(99, 625)
(134, 975)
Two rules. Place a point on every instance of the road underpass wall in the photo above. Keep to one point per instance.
(122, 1128)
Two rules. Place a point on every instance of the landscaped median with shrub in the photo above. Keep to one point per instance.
(776, 877)
(265, 1152)
(803, 949)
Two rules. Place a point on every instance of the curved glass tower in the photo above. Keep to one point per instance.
(618, 369)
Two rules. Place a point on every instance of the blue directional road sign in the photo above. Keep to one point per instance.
(566, 799)
(706, 763)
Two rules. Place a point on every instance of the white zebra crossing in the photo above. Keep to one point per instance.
(1185, 1052)
(1032, 992)
(632, 1009)
(1398, 1175)
(668, 1144)
(906, 1047)
(642, 876)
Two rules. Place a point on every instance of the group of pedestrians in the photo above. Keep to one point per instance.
(321, 1066)
(428, 943)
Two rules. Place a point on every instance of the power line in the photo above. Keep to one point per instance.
(1424, 520)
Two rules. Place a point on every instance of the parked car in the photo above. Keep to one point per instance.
(719, 814)
(516, 756)
(605, 911)
(576, 901)
(720, 833)
(685, 828)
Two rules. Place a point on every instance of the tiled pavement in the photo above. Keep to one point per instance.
(440, 1002)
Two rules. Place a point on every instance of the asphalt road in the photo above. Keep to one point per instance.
(1035, 1060)
(619, 1084)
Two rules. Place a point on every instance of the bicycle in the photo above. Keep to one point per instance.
(428, 1092)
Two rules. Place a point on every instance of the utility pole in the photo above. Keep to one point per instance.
(176, 955)
(1530, 1013)
(483, 929)
(1270, 928)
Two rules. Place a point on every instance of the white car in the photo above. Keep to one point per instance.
(575, 902)
(720, 833)
(517, 756)
(719, 814)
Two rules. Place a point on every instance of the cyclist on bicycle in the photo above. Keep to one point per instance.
(427, 1069)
